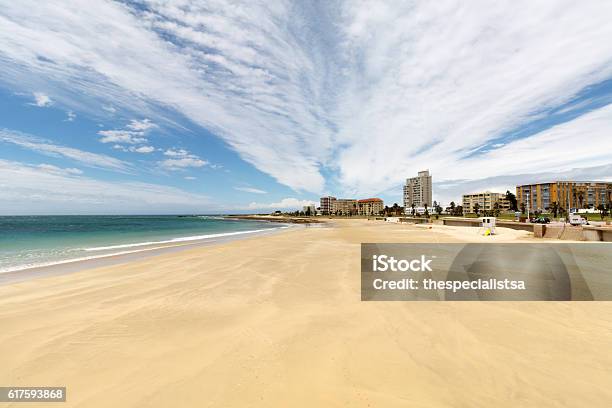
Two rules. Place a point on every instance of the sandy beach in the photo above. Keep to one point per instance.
(277, 321)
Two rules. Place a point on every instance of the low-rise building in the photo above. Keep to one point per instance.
(370, 206)
(346, 206)
(328, 205)
(486, 202)
(567, 194)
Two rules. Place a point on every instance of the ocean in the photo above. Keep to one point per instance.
(33, 241)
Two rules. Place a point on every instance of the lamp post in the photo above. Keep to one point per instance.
(528, 204)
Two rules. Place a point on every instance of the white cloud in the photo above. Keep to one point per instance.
(121, 136)
(182, 159)
(29, 189)
(251, 190)
(141, 125)
(41, 100)
(582, 142)
(235, 71)
(190, 178)
(142, 149)
(370, 91)
(70, 116)
(134, 149)
(285, 203)
(182, 163)
(133, 134)
(109, 108)
(176, 153)
(44, 147)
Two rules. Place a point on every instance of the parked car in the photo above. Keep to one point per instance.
(575, 219)
(540, 220)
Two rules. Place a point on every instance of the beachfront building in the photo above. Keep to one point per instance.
(310, 209)
(370, 206)
(486, 202)
(346, 206)
(418, 191)
(567, 194)
(328, 205)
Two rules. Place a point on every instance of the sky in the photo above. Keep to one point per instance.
(240, 106)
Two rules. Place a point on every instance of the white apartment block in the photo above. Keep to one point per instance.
(486, 202)
(418, 191)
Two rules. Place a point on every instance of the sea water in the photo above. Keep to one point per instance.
(33, 241)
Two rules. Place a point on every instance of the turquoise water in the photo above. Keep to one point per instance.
(30, 241)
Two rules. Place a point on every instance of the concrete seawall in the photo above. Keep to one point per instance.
(563, 232)
(473, 222)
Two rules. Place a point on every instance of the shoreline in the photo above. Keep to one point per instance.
(145, 250)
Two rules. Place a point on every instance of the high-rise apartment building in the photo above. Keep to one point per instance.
(418, 191)
(567, 194)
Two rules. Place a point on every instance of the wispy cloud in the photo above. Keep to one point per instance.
(284, 204)
(250, 190)
(121, 136)
(364, 93)
(135, 149)
(49, 168)
(45, 147)
(32, 189)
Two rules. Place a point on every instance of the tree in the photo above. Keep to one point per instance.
(426, 211)
(581, 198)
(603, 211)
(452, 207)
(437, 209)
(554, 209)
(413, 210)
(512, 199)
(459, 210)
(395, 209)
(523, 208)
(496, 209)
(477, 208)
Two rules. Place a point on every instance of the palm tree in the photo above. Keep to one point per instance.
(554, 208)
(395, 208)
(413, 210)
(477, 208)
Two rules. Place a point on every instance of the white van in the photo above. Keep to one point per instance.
(575, 219)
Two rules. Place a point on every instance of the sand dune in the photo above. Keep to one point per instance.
(278, 322)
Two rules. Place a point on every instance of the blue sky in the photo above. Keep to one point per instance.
(185, 106)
